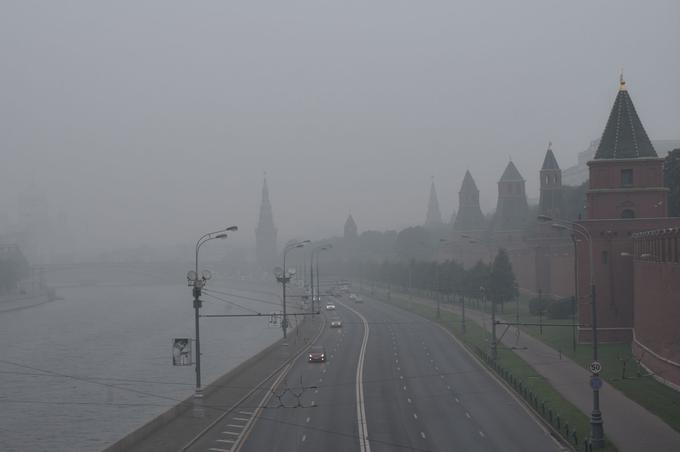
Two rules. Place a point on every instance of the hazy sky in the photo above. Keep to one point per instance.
(154, 121)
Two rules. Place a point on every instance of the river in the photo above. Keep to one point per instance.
(78, 373)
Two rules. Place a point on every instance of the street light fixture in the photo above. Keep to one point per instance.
(198, 282)
(284, 277)
(315, 252)
(596, 425)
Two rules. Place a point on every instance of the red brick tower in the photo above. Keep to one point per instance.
(626, 195)
(551, 186)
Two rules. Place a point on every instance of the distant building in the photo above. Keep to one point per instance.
(433, 218)
(551, 200)
(469, 216)
(512, 209)
(350, 228)
(265, 233)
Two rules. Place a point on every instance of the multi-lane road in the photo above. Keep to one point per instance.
(392, 381)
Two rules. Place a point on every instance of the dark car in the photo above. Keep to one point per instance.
(317, 354)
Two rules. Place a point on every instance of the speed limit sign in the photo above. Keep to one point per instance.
(595, 367)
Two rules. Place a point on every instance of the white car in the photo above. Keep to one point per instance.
(336, 323)
(352, 296)
(330, 307)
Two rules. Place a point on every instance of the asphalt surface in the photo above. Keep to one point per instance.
(419, 391)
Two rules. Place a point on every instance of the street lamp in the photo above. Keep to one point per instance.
(198, 282)
(315, 252)
(596, 424)
(284, 277)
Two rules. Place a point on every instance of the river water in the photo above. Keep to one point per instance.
(78, 373)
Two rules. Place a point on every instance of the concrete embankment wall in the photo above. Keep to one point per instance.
(165, 418)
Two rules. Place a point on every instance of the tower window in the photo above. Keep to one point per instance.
(627, 177)
(605, 257)
(628, 213)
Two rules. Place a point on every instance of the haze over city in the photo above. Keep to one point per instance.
(143, 123)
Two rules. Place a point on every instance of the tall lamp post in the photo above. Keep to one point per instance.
(315, 252)
(596, 424)
(283, 278)
(198, 283)
(318, 278)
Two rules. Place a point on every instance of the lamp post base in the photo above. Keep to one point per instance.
(596, 430)
(199, 411)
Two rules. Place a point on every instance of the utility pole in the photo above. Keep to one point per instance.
(438, 290)
(198, 282)
(311, 277)
(284, 277)
(462, 320)
(494, 350)
(318, 287)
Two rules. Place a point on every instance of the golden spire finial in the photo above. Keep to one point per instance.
(550, 145)
(622, 82)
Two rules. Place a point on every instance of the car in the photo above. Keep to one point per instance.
(330, 307)
(358, 299)
(317, 354)
(336, 323)
(352, 296)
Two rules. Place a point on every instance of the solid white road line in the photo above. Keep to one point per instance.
(364, 444)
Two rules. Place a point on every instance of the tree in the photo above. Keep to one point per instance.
(475, 278)
(502, 283)
(671, 173)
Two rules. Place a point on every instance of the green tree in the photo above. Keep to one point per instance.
(502, 283)
(475, 278)
(671, 173)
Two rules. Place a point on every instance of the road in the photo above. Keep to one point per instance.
(419, 391)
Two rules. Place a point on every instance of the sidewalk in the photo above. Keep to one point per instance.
(172, 430)
(629, 426)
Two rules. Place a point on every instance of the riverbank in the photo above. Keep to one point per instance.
(240, 388)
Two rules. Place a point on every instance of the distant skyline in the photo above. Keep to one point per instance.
(153, 122)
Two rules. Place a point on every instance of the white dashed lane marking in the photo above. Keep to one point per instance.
(422, 434)
(415, 416)
(481, 433)
(468, 415)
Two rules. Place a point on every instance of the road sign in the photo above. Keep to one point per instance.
(181, 352)
(595, 367)
(595, 382)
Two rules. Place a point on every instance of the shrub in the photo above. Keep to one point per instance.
(561, 309)
(537, 305)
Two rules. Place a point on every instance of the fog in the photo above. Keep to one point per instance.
(152, 122)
